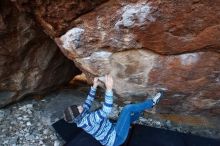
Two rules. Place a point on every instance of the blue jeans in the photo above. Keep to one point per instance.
(129, 114)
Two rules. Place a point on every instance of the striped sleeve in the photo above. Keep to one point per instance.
(107, 106)
(88, 102)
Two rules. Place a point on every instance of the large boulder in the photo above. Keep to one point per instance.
(143, 45)
(147, 45)
(30, 62)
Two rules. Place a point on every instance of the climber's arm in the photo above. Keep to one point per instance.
(108, 104)
(90, 98)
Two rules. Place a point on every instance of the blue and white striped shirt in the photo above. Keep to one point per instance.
(97, 123)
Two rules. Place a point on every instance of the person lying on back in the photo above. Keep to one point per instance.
(97, 122)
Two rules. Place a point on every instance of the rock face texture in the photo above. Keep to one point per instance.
(150, 44)
(30, 62)
(55, 16)
(145, 45)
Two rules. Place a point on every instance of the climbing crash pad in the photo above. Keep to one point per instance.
(139, 135)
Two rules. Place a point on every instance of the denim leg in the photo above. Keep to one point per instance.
(125, 119)
(134, 116)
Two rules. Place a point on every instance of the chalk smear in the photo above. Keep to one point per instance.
(135, 14)
(189, 58)
(71, 40)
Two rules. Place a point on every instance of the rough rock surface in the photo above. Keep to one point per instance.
(30, 62)
(57, 16)
(113, 38)
(165, 27)
(147, 45)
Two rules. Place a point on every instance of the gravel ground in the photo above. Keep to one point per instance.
(28, 123)
(22, 125)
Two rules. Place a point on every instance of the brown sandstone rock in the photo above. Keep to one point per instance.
(147, 45)
(30, 62)
(57, 16)
(165, 27)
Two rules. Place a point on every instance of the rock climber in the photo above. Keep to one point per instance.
(97, 122)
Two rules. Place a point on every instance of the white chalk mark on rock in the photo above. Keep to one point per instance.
(189, 58)
(136, 14)
(100, 55)
(71, 40)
